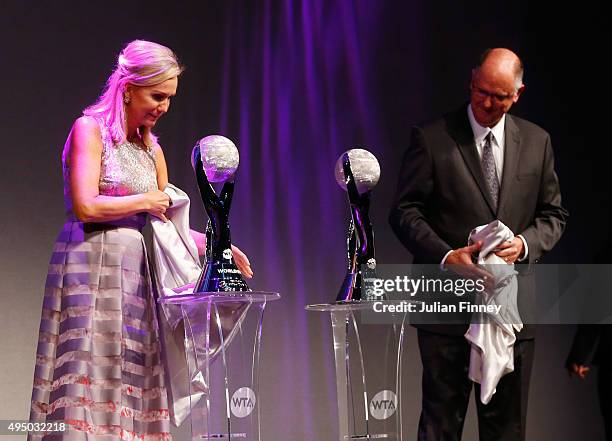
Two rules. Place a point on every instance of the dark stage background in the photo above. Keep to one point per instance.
(294, 84)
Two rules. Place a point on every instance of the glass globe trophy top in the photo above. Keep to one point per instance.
(364, 166)
(220, 158)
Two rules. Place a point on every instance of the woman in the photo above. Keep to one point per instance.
(98, 363)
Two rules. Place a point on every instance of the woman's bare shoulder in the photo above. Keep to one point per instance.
(84, 137)
(157, 150)
(86, 126)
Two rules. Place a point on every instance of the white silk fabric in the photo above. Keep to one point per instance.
(492, 335)
(176, 268)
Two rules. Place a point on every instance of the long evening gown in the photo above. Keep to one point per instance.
(98, 365)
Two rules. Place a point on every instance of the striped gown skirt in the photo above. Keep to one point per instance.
(98, 366)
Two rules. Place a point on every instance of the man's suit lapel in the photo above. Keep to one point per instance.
(461, 131)
(512, 151)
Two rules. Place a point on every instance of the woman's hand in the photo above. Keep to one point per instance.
(157, 203)
(242, 262)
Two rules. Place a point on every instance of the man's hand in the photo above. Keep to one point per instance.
(579, 370)
(460, 262)
(510, 251)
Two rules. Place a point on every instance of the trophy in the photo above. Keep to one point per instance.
(215, 159)
(357, 171)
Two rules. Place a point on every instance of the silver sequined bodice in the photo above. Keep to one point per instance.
(125, 169)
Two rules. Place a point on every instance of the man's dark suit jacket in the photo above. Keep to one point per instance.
(442, 196)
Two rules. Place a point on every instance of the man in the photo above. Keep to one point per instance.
(466, 169)
(593, 342)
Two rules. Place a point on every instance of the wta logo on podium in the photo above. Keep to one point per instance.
(383, 404)
(243, 402)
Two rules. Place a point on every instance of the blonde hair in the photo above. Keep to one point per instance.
(141, 63)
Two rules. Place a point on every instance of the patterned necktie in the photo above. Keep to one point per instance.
(489, 169)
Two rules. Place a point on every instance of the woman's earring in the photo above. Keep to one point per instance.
(126, 99)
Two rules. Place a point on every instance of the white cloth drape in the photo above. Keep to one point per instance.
(492, 335)
(176, 266)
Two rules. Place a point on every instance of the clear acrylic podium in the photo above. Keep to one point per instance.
(222, 350)
(368, 360)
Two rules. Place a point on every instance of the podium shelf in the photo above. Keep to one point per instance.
(359, 305)
(218, 297)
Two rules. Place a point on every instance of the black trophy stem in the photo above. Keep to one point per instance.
(217, 209)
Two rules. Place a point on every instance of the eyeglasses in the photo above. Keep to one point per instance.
(481, 93)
